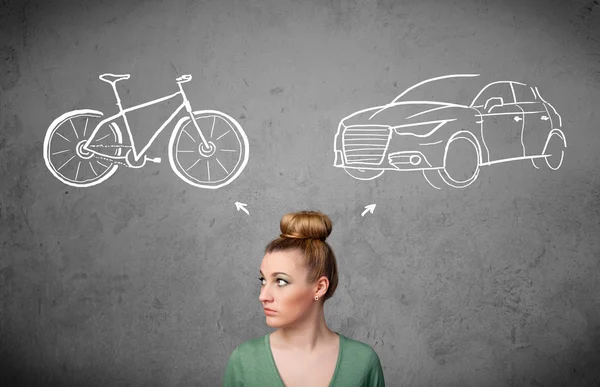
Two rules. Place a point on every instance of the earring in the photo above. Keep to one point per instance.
(316, 298)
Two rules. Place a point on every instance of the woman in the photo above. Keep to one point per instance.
(298, 274)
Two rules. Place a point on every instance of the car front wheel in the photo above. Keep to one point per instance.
(554, 151)
(461, 160)
(364, 174)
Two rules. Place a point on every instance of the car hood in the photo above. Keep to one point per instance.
(402, 113)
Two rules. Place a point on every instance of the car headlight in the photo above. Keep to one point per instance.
(421, 129)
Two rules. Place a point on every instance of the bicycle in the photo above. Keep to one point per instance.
(81, 157)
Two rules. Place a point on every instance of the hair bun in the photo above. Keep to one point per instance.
(305, 225)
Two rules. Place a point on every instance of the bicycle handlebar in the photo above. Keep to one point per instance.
(184, 78)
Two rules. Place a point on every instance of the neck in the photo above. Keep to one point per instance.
(305, 335)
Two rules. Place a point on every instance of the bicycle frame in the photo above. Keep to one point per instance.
(122, 113)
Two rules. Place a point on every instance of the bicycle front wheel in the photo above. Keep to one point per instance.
(65, 155)
(216, 164)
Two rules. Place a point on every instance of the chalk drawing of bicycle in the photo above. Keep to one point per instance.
(207, 149)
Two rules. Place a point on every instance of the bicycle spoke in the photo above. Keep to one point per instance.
(226, 171)
(76, 135)
(208, 168)
(184, 131)
(185, 151)
(221, 136)
(72, 157)
(59, 152)
(228, 150)
(85, 127)
(213, 126)
(63, 137)
(93, 170)
(77, 173)
(193, 165)
(102, 138)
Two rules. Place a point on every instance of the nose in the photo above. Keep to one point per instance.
(265, 295)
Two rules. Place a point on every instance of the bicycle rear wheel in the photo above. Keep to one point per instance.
(216, 165)
(64, 154)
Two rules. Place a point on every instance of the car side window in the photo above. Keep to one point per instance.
(495, 90)
(524, 93)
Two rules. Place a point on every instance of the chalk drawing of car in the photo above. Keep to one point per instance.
(450, 141)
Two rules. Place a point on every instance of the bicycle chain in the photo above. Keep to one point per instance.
(111, 160)
(110, 146)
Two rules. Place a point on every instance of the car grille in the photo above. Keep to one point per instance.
(365, 144)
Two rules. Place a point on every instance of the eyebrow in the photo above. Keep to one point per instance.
(276, 273)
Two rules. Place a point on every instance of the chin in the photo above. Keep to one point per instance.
(274, 322)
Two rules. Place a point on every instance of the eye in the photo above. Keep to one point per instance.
(284, 282)
(281, 284)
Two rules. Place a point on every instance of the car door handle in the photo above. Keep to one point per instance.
(517, 118)
(545, 118)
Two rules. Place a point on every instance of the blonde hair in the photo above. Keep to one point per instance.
(307, 231)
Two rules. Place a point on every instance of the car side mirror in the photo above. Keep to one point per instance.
(494, 101)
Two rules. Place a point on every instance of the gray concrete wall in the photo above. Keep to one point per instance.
(146, 280)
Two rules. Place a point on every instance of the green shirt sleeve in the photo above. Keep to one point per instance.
(374, 372)
(233, 375)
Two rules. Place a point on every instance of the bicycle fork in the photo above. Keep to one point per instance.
(206, 147)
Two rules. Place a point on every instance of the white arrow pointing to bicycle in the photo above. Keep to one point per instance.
(241, 206)
(370, 208)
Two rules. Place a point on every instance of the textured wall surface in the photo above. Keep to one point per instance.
(146, 280)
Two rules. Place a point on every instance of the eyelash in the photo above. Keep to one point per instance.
(261, 279)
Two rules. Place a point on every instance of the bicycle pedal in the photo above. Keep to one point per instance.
(156, 160)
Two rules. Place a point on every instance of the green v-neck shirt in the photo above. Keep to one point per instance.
(251, 364)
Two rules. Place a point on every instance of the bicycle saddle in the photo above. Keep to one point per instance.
(184, 78)
(113, 78)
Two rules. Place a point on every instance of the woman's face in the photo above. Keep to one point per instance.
(284, 289)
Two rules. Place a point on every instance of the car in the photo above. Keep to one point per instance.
(449, 138)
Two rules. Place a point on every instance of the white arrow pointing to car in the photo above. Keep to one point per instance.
(370, 208)
(241, 206)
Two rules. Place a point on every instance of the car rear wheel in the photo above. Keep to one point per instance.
(364, 174)
(461, 160)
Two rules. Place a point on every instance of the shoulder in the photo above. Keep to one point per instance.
(246, 363)
(357, 348)
(361, 353)
(250, 347)
(360, 363)
(253, 343)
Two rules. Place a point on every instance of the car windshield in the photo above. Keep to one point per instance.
(458, 89)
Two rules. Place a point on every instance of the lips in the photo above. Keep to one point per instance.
(269, 311)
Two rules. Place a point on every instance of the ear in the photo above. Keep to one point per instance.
(322, 286)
